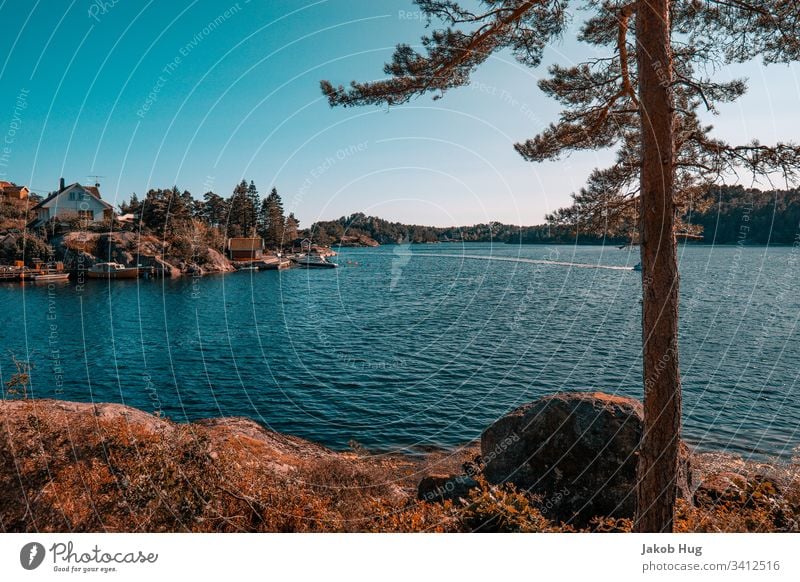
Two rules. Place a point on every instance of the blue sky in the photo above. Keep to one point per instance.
(203, 93)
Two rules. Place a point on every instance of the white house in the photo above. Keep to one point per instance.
(73, 201)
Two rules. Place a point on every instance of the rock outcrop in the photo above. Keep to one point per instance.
(82, 249)
(443, 487)
(577, 450)
(358, 240)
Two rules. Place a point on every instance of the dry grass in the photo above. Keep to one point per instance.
(74, 467)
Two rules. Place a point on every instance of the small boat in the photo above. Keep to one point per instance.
(44, 272)
(112, 271)
(50, 277)
(637, 267)
(313, 261)
(247, 268)
(273, 264)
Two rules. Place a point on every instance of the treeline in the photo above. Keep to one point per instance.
(750, 216)
(729, 215)
(386, 232)
(243, 213)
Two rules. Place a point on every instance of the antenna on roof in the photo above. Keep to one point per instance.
(96, 180)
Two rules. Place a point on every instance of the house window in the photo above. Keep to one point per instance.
(72, 195)
(86, 214)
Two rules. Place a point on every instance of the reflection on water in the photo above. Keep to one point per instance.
(425, 346)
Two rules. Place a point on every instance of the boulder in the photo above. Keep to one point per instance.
(442, 487)
(216, 262)
(578, 450)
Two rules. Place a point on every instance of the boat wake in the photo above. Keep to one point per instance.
(520, 260)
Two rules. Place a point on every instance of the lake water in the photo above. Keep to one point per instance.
(424, 345)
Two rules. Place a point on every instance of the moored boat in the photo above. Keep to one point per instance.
(112, 271)
(273, 263)
(44, 272)
(49, 277)
(313, 261)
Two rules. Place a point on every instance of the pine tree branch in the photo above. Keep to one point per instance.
(451, 54)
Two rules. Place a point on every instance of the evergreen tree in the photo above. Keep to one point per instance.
(252, 195)
(643, 96)
(291, 229)
(155, 210)
(242, 212)
(215, 210)
(275, 220)
(263, 218)
(132, 206)
(166, 210)
(185, 204)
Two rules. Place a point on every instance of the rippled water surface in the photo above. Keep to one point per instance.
(422, 345)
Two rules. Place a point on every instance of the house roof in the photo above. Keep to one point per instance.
(93, 190)
(12, 187)
(245, 244)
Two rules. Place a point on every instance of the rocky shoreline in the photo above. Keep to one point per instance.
(571, 458)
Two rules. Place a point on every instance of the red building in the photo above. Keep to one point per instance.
(245, 249)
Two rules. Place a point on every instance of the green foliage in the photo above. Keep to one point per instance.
(292, 229)
(214, 210)
(163, 211)
(273, 221)
(242, 211)
(386, 232)
(737, 214)
(132, 206)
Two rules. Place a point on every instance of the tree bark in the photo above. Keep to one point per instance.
(659, 449)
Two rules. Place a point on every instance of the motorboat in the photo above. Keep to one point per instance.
(310, 261)
(50, 277)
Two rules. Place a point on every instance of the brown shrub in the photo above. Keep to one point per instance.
(79, 467)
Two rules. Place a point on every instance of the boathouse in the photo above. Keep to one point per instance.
(245, 249)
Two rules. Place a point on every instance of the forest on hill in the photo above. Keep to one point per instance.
(731, 215)
(387, 232)
(750, 216)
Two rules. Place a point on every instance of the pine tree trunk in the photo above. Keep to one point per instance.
(658, 460)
